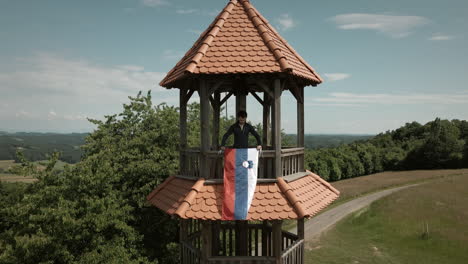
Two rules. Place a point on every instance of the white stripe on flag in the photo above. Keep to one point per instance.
(252, 155)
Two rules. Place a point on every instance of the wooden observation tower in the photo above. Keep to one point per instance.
(240, 54)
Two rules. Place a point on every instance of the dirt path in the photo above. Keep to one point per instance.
(315, 226)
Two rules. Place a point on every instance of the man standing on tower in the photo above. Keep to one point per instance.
(241, 130)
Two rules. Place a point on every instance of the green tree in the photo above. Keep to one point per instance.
(96, 212)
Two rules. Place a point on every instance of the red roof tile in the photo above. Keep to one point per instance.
(303, 197)
(240, 40)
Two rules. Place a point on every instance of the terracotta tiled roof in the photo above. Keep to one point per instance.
(189, 199)
(240, 40)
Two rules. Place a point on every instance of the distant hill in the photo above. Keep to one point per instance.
(37, 146)
(319, 141)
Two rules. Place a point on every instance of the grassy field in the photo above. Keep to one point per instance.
(355, 187)
(6, 164)
(424, 224)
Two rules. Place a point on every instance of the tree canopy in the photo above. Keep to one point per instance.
(438, 144)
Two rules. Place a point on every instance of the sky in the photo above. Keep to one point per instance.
(385, 63)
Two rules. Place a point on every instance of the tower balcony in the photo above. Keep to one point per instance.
(292, 163)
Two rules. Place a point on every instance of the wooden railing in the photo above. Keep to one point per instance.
(241, 260)
(288, 239)
(294, 254)
(292, 161)
(189, 254)
(259, 241)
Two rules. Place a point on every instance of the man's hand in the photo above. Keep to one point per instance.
(259, 147)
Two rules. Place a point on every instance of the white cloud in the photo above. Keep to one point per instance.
(347, 99)
(391, 25)
(23, 114)
(57, 75)
(51, 115)
(439, 37)
(52, 89)
(332, 77)
(286, 22)
(154, 3)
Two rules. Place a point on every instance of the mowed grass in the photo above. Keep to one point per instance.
(425, 224)
(355, 187)
(6, 164)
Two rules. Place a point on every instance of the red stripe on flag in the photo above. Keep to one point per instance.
(229, 184)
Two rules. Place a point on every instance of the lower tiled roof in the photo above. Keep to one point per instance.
(197, 199)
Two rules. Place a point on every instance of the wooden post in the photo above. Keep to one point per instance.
(241, 95)
(300, 125)
(215, 238)
(300, 228)
(266, 140)
(216, 113)
(265, 238)
(183, 130)
(204, 129)
(277, 240)
(206, 241)
(242, 238)
(277, 127)
(183, 233)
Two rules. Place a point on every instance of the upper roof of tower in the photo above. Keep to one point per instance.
(241, 41)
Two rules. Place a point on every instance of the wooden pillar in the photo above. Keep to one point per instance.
(215, 227)
(266, 139)
(216, 114)
(276, 105)
(277, 240)
(241, 95)
(204, 129)
(183, 130)
(183, 233)
(206, 241)
(300, 228)
(241, 102)
(265, 242)
(300, 124)
(242, 238)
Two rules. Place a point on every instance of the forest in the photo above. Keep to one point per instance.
(439, 144)
(96, 210)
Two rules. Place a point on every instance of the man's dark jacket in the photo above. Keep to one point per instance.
(241, 136)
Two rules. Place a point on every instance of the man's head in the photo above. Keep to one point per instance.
(242, 117)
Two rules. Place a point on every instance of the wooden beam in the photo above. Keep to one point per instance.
(257, 97)
(300, 228)
(242, 244)
(182, 130)
(183, 234)
(277, 240)
(265, 88)
(277, 127)
(189, 95)
(212, 101)
(216, 113)
(266, 139)
(241, 101)
(300, 126)
(226, 98)
(206, 241)
(204, 129)
(216, 86)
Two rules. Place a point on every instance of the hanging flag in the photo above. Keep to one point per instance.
(240, 179)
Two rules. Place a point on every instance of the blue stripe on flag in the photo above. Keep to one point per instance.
(240, 211)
